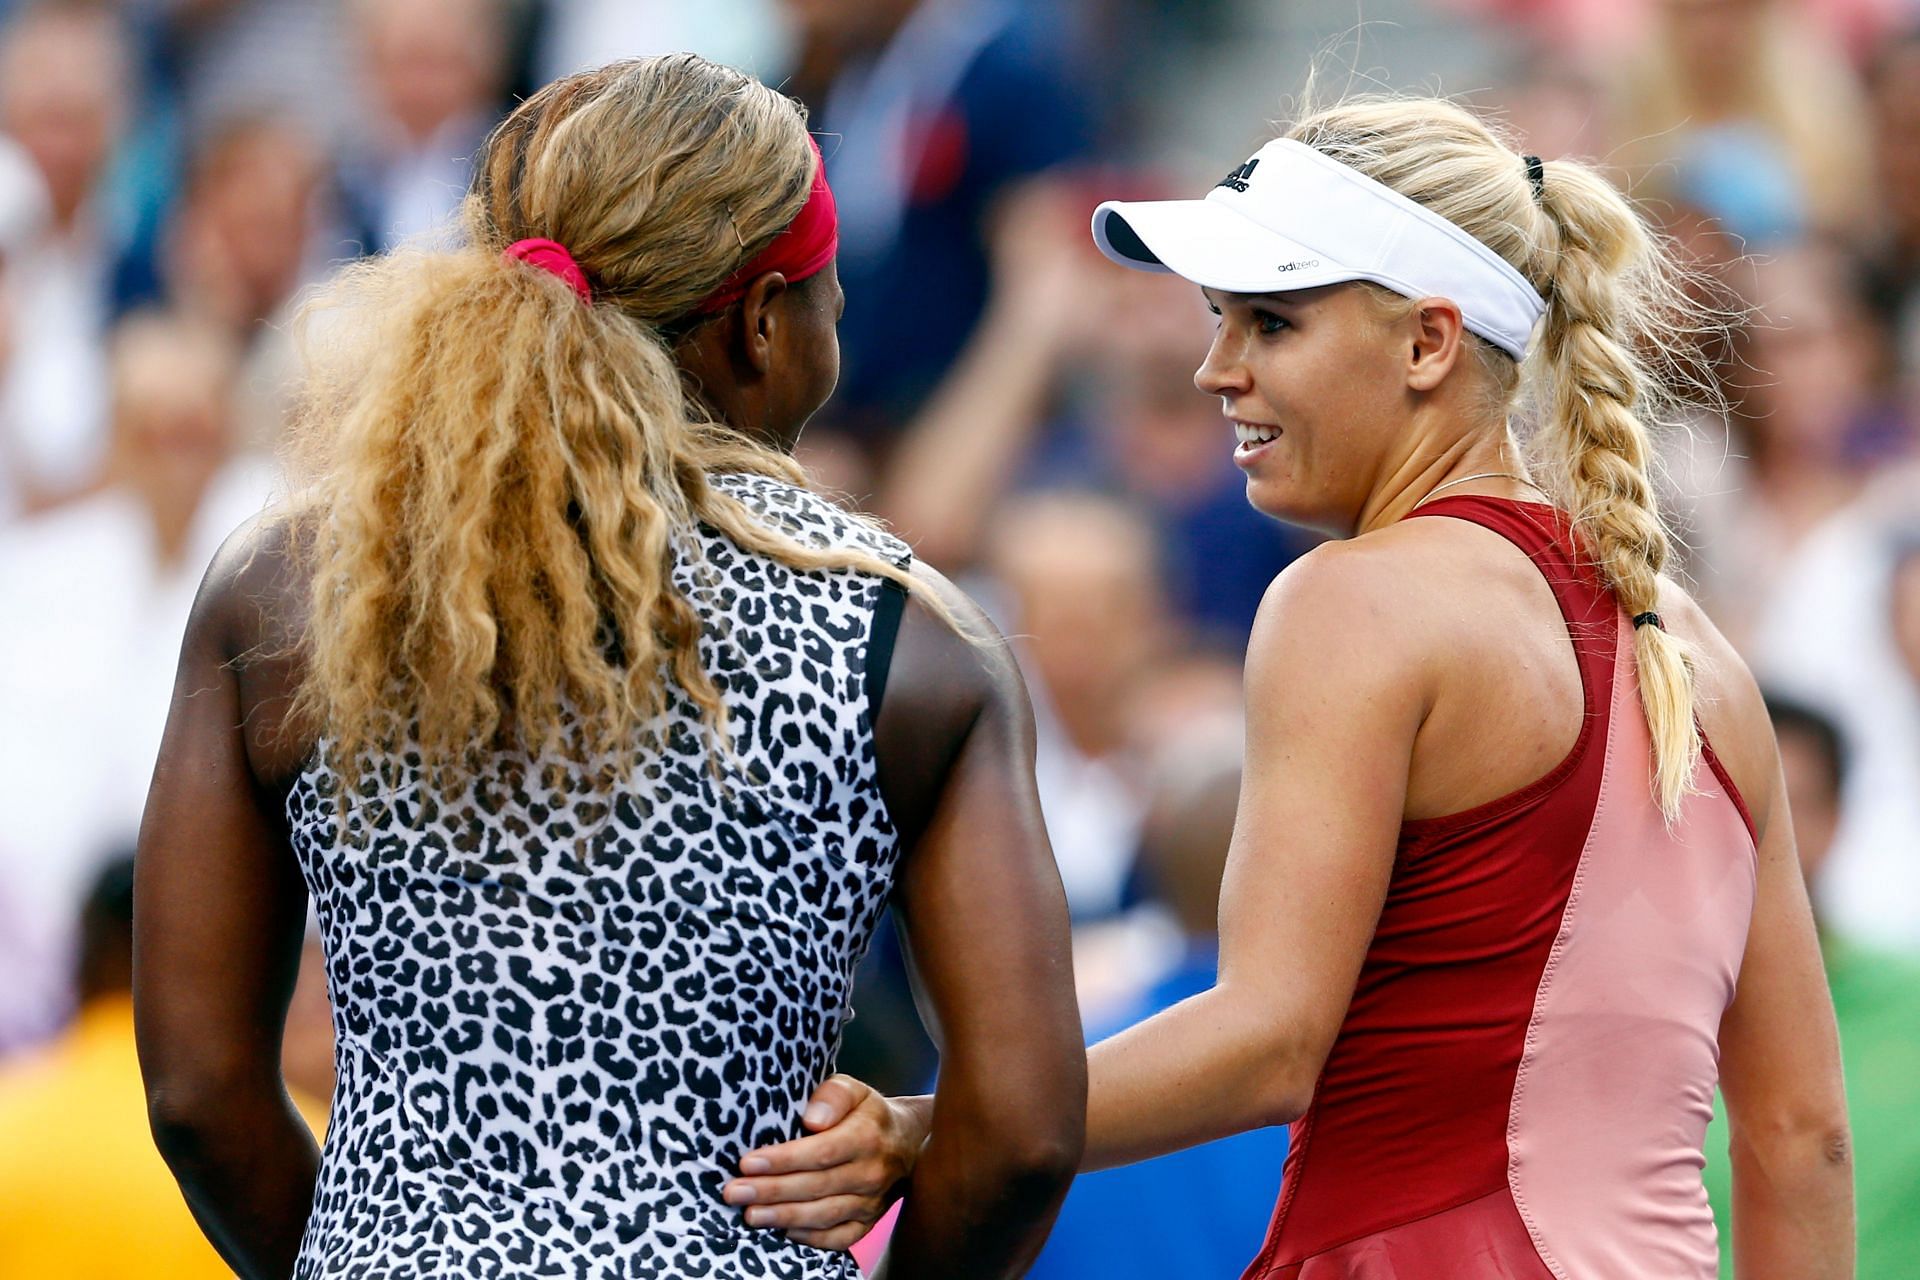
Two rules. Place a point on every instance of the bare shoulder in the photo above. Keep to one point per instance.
(1727, 700)
(253, 599)
(1344, 581)
(247, 625)
(960, 661)
(1386, 599)
(948, 676)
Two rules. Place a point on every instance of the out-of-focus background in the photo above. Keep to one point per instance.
(173, 172)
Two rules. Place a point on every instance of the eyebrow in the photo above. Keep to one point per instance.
(1291, 299)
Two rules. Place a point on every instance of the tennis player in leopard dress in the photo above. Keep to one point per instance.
(598, 744)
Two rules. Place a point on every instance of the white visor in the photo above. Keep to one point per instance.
(1293, 218)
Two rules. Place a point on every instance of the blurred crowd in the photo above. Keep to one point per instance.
(174, 172)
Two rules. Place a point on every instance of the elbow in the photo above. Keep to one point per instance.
(1816, 1141)
(1836, 1148)
(1044, 1143)
(1047, 1160)
(191, 1118)
(1028, 1171)
(1268, 1055)
(181, 1120)
(1282, 1098)
(1036, 1148)
(1286, 1077)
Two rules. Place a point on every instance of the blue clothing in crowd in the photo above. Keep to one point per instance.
(969, 98)
(1197, 1213)
(1218, 554)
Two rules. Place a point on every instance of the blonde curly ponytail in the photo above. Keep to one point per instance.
(495, 475)
(1612, 355)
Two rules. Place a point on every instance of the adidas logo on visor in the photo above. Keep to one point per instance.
(1237, 178)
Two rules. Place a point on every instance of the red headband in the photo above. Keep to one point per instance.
(803, 249)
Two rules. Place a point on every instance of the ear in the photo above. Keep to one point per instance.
(1435, 331)
(760, 321)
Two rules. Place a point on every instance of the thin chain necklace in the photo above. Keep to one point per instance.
(1481, 475)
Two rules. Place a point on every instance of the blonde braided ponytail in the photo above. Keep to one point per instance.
(1615, 350)
(1592, 382)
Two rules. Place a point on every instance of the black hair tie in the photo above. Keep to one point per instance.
(1642, 619)
(1536, 176)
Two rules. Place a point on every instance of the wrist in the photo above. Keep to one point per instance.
(913, 1122)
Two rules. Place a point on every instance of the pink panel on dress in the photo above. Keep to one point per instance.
(1615, 1086)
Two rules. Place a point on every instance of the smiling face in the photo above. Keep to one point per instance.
(1314, 386)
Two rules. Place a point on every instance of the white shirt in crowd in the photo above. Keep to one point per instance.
(90, 639)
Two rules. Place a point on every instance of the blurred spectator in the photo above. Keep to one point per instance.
(1742, 180)
(83, 1193)
(929, 111)
(228, 58)
(23, 218)
(1876, 1001)
(1086, 610)
(1187, 715)
(65, 73)
(1606, 29)
(1726, 67)
(752, 35)
(1836, 640)
(1558, 105)
(1895, 88)
(1795, 562)
(1806, 406)
(251, 229)
(1081, 376)
(97, 596)
(243, 235)
(1209, 1204)
(435, 71)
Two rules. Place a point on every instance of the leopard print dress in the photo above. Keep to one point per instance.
(563, 1014)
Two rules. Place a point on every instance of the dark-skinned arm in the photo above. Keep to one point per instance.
(984, 919)
(219, 914)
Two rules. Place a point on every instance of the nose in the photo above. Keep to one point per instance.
(1222, 373)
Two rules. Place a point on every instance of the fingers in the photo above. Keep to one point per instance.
(854, 1178)
(837, 1098)
(804, 1155)
(816, 1215)
(846, 1117)
(842, 1237)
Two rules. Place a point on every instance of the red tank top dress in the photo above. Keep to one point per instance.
(1522, 1084)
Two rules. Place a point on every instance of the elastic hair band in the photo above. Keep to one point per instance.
(1537, 177)
(552, 256)
(1642, 619)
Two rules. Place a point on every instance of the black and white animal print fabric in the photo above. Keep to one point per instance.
(564, 1014)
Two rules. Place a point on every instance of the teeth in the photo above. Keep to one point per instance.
(1254, 435)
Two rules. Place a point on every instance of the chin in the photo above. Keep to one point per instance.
(1274, 498)
(1289, 506)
